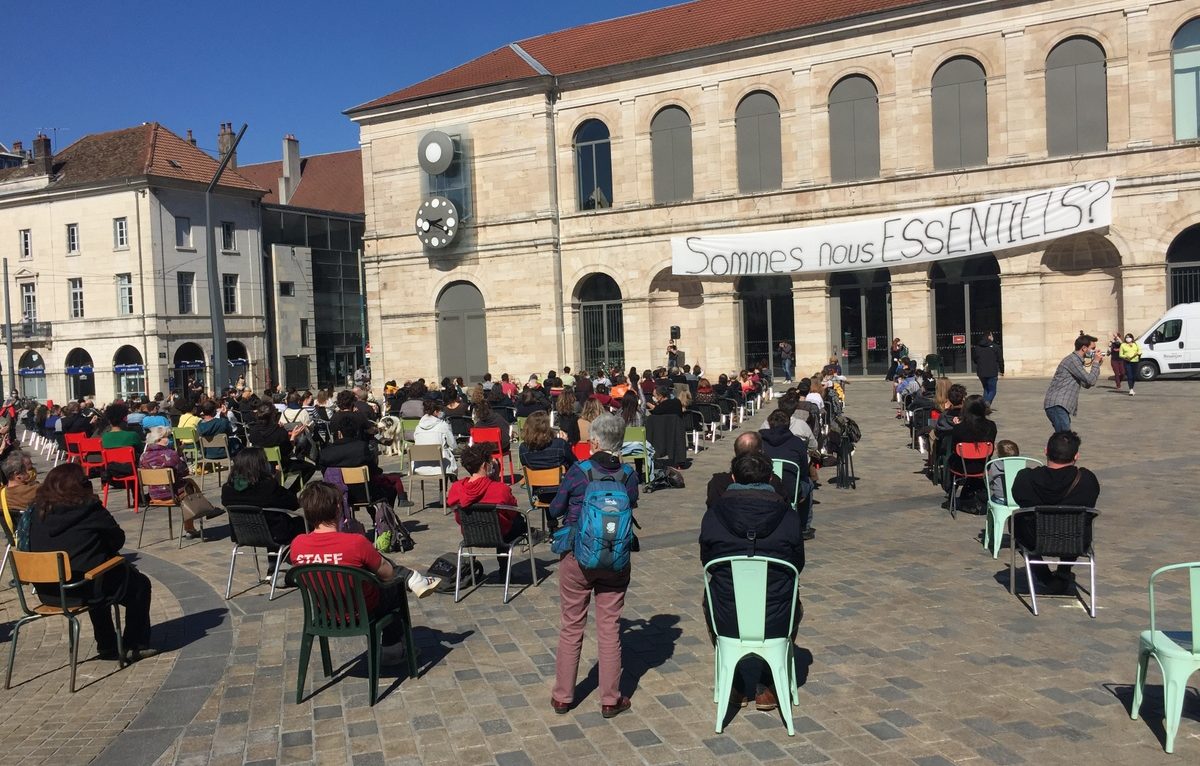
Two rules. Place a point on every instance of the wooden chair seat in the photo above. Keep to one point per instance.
(47, 609)
(165, 503)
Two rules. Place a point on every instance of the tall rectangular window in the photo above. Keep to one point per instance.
(75, 289)
(229, 293)
(72, 239)
(186, 282)
(183, 231)
(120, 233)
(228, 238)
(303, 333)
(125, 294)
(25, 240)
(28, 302)
(453, 183)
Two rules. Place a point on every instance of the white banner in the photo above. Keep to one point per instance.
(919, 237)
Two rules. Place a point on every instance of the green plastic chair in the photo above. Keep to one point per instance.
(749, 589)
(1177, 653)
(933, 363)
(408, 434)
(637, 434)
(335, 607)
(187, 441)
(275, 458)
(998, 514)
(777, 467)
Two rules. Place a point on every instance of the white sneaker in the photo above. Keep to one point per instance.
(394, 654)
(420, 585)
(1131, 392)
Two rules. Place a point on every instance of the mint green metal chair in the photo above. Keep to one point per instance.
(780, 467)
(637, 435)
(749, 589)
(1177, 653)
(998, 514)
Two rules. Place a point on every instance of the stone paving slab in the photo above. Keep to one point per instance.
(911, 652)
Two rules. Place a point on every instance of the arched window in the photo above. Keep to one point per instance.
(601, 323)
(759, 157)
(671, 151)
(1185, 58)
(593, 165)
(960, 129)
(1076, 98)
(853, 129)
(1183, 267)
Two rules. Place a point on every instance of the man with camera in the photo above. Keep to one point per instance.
(1080, 369)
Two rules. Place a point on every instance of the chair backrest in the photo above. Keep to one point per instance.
(358, 484)
(486, 435)
(1063, 530)
(91, 446)
(582, 450)
(157, 477)
(425, 453)
(10, 527)
(185, 434)
(248, 526)
(334, 603)
(541, 480)
(692, 420)
(1193, 568)
(119, 456)
(973, 450)
(788, 472)
(461, 426)
(273, 455)
(508, 413)
(217, 442)
(750, 591)
(408, 428)
(481, 525)
(521, 423)
(711, 413)
(42, 568)
(636, 434)
(72, 442)
(1010, 466)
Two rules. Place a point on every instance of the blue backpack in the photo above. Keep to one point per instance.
(604, 529)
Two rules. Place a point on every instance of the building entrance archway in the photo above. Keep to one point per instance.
(130, 372)
(768, 317)
(81, 374)
(188, 366)
(32, 371)
(462, 333)
(601, 323)
(860, 311)
(1183, 267)
(239, 362)
(966, 306)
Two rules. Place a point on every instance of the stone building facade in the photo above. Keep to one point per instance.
(585, 151)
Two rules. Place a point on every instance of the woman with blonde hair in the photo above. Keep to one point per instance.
(591, 411)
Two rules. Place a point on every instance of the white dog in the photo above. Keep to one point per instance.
(389, 436)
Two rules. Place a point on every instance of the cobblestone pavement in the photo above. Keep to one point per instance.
(911, 651)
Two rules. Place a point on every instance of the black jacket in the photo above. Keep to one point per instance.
(779, 534)
(1052, 486)
(722, 480)
(88, 533)
(272, 435)
(267, 493)
(347, 453)
(783, 444)
(987, 358)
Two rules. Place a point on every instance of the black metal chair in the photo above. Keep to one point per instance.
(248, 528)
(1060, 531)
(481, 529)
(460, 426)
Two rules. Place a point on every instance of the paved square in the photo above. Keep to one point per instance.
(911, 652)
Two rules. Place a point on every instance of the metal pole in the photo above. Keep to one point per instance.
(12, 373)
(216, 307)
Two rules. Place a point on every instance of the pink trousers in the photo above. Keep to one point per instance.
(575, 589)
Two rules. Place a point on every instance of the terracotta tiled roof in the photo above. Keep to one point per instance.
(629, 39)
(327, 182)
(146, 150)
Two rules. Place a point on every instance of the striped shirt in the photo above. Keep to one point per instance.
(1068, 379)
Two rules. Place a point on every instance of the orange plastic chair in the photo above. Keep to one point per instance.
(122, 456)
(967, 451)
(492, 435)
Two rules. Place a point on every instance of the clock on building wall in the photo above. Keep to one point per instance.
(437, 222)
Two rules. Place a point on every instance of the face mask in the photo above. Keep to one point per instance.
(1089, 354)
(1129, 339)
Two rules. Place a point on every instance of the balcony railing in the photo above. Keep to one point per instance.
(27, 331)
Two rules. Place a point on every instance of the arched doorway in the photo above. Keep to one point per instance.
(1083, 264)
(81, 377)
(239, 362)
(966, 306)
(32, 371)
(1183, 268)
(462, 332)
(188, 367)
(860, 308)
(130, 373)
(601, 323)
(768, 317)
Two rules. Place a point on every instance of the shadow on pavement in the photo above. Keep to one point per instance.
(178, 632)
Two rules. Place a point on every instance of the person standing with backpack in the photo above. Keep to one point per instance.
(595, 504)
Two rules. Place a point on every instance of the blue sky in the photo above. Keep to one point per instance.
(281, 67)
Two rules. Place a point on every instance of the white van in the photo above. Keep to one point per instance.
(1172, 345)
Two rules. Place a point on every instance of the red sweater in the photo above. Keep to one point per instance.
(474, 489)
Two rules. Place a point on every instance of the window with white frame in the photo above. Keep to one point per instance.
(72, 239)
(229, 293)
(75, 290)
(228, 237)
(120, 233)
(28, 302)
(183, 231)
(125, 294)
(186, 282)
(25, 238)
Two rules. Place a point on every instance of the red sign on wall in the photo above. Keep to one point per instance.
(871, 344)
(958, 340)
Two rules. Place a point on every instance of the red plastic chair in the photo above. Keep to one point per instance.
(124, 456)
(582, 450)
(492, 435)
(72, 441)
(91, 455)
(967, 451)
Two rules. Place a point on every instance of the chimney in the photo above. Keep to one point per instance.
(18, 147)
(190, 138)
(41, 153)
(225, 143)
(291, 169)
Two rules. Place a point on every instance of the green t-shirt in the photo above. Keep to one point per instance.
(110, 439)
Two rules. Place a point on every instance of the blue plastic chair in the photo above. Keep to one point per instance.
(749, 589)
(998, 514)
(1176, 651)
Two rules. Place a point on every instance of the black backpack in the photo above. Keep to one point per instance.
(444, 566)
